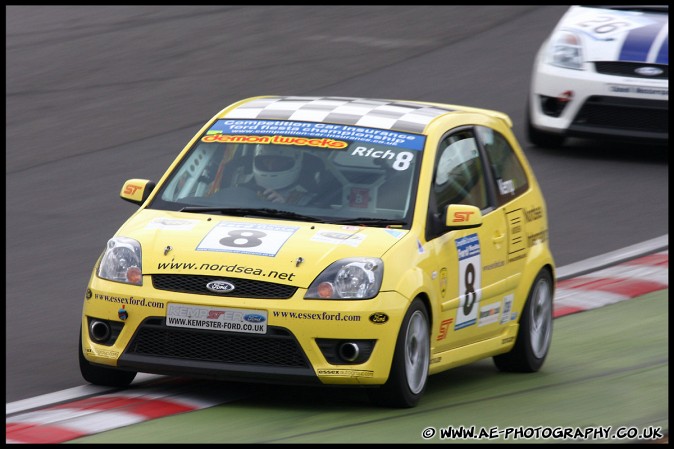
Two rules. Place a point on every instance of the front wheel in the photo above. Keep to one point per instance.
(542, 138)
(409, 369)
(100, 375)
(535, 332)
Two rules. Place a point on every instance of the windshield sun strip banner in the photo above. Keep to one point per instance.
(324, 135)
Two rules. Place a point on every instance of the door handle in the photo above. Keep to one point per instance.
(497, 239)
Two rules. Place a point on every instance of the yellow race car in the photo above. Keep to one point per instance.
(328, 241)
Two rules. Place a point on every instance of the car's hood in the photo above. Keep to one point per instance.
(283, 251)
(619, 34)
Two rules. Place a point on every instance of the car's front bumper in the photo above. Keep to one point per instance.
(300, 346)
(589, 104)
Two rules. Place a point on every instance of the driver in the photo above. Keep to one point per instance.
(276, 171)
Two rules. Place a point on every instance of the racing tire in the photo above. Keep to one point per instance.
(542, 138)
(99, 375)
(411, 359)
(535, 333)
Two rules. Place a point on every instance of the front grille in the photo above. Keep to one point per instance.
(277, 348)
(244, 288)
(619, 68)
(624, 114)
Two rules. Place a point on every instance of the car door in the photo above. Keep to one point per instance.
(469, 263)
(517, 203)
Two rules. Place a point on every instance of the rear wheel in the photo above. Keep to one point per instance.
(409, 369)
(100, 375)
(535, 332)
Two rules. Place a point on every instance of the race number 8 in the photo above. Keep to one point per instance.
(243, 238)
(469, 278)
(403, 161)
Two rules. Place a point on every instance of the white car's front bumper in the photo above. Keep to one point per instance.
(599, 105)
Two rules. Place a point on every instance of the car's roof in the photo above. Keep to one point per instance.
(394, 115)
(642, 8)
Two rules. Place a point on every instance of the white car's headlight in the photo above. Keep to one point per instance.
(566, 51)
(352, 278)
(122, 262)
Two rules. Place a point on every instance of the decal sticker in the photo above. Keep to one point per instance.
(461, 216)
(491, 266)
(506, 187)
(224, 268)
(379, 318)
(172, 224)
(262, 131)
(322, 316)
(248, 238)
(104, 353)
(350, 228)
(656, 91)
(646, 37)
(533, 214)
(537, 238)
(359, 197)
(143, 302)
(402, 161)
(394, 233)
(420, 247)
(517, 243)
(444, 327)
(470, 280)
(216, 318)
(507, 307)
(337, 238)
(275, 139)
(344, 372)
(489, 314)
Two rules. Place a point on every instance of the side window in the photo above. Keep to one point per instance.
(459, 172)
(511, 180)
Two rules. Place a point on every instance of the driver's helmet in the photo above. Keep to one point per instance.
(276, 167)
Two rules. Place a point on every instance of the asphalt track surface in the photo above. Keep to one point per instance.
(99, 94)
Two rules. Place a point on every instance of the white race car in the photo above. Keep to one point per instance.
(602, 74)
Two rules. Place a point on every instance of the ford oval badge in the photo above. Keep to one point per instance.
(254, 318)
(220, 286)
(379, 318)
(648, 71)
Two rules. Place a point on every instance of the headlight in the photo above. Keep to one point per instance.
(353, 278)
(565, 51)
(121, 261)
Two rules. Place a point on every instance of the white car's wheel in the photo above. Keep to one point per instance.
(535, 332)
(542, 138)
(409, 370)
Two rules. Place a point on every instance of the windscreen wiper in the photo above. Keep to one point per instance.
(370, 221)
(253, 212)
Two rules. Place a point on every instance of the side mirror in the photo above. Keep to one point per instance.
(136, 191)
(462, 216)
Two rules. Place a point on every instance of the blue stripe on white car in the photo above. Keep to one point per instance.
(642, 41)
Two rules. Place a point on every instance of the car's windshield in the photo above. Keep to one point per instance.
(331, 172)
